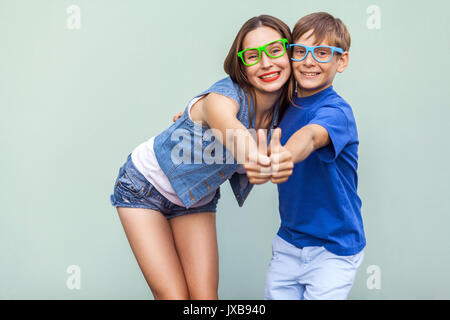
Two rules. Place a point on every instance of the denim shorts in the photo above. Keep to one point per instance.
(133, 190)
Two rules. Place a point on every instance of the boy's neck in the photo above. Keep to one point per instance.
(302, 93)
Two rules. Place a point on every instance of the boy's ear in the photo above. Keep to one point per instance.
(343, 62)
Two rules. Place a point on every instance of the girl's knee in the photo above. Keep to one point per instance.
(171, 294)
(203, 295)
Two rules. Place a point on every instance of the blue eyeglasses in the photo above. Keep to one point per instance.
(322, 54)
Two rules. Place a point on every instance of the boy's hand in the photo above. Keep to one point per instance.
(177, 116)
(280, 159)
(258, 165)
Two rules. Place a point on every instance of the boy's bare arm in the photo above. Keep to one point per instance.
(306, 140)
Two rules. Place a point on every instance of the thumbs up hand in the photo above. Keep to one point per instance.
(274, 163)
(258, 167)
(280, 159)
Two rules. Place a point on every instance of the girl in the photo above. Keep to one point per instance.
(167, 207)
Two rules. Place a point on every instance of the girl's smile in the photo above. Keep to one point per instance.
(270, 76)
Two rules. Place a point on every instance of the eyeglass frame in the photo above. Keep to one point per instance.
(263, 48)
(311, 49)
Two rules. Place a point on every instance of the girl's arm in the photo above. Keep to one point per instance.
(220, 112)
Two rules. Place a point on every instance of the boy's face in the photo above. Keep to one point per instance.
(312, 76)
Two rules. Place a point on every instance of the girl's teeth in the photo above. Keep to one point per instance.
(270, 75)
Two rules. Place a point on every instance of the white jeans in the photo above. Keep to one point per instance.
(309, 273)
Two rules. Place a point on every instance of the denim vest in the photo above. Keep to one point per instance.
(192, 181)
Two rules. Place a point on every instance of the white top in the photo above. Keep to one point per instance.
(145, 161)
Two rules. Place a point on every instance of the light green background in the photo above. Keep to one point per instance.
(74, 103)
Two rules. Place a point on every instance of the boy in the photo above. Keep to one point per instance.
(319, 246)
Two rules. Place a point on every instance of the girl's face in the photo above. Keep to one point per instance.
(270, 74)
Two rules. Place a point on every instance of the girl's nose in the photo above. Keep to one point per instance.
(265, 60)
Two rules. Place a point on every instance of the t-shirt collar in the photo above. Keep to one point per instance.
(310, 100)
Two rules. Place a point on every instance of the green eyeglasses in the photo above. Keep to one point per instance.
(274, 49)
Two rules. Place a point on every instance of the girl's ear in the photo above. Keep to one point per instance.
(343, 62)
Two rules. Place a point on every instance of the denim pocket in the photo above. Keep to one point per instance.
(130, 184)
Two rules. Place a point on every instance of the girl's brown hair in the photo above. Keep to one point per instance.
(236, 69)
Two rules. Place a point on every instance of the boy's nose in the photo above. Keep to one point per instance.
(309, 59)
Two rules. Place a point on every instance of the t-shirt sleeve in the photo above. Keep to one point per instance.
(335, 122)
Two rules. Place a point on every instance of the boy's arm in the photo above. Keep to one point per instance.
(306, 140)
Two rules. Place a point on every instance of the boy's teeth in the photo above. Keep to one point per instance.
(270, 75)
(310, 74)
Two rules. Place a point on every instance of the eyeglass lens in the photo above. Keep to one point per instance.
(274, 50)
(322, 54)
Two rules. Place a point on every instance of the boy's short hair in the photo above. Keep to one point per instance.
(326, 27)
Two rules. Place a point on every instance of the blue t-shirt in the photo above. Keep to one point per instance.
(319, 204)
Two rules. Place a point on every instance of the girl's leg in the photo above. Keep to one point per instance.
(150, 238)
(196, 243)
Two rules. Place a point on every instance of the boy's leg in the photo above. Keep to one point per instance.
(283, 272)
(329, 276)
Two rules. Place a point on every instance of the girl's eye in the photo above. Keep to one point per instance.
(275, 52)
(251, 55)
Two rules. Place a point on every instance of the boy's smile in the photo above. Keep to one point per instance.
(312, 76)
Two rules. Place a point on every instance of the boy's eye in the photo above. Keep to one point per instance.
(322, 52)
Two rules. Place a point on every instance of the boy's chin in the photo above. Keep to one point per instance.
(312, 85)
(308, 89)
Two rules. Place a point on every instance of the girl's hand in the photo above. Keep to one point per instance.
(280, 158)
(258, 166)
(177, 116)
